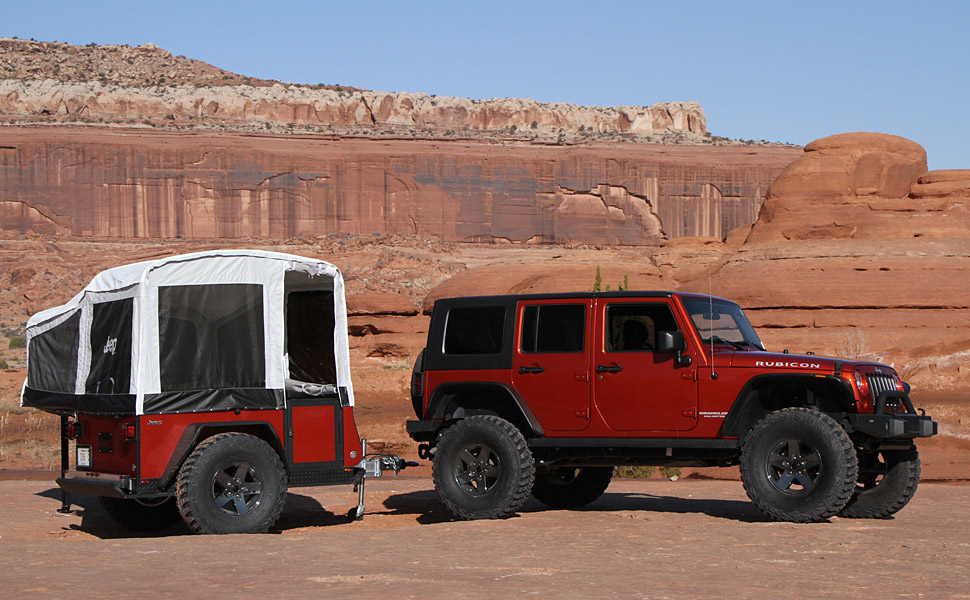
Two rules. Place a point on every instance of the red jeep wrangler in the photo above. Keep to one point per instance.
(546, 394)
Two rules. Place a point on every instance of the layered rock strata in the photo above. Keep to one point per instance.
(130, 184)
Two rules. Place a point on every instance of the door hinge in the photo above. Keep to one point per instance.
(690, 413)
(689, 375)
(583, 414)
(584, 377)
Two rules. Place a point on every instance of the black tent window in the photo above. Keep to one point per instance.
(309, 336)
(110, 348)
(211, 336)
(53, 357)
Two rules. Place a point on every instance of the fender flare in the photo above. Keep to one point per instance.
(442, 404)
(747, 405)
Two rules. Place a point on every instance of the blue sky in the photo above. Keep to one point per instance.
(779, 71)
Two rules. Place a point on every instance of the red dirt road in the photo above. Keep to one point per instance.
(642, 539)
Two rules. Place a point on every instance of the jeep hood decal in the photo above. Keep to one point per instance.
(772, 360)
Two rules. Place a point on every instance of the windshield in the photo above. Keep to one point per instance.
(721, 322)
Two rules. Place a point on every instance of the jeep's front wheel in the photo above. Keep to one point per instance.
(483, 468)
(571, 487)
(231, 483)
(887, 482)
(798, 465)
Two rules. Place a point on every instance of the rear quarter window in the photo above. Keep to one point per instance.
(474, 330)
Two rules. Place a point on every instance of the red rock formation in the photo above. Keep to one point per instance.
(126, 184)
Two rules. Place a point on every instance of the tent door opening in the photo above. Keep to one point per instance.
(314, 419)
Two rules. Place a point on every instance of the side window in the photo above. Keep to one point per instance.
(52, 357)
(474, 330)
(110, 348)
(211, 336)
(553, 328)
(634, 327)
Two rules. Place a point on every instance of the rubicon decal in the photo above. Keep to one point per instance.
(791, 365)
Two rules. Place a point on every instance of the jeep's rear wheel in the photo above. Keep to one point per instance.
(570, 487)
(142, 515)
(231, 483)
(483, 468)
(887, 482)
(798, 465)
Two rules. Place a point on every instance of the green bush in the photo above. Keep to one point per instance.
(3, 364)
(17, 342)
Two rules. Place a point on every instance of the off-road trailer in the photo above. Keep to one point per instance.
(202, 385)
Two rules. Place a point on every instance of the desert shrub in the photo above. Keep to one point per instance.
(3, 364)
(17, 342)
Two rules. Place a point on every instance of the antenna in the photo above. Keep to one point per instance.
(710, 305)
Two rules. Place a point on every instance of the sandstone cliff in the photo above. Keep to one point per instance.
(120, 84)
(129, 184)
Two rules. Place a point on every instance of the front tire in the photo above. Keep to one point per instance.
(142, 515)
(887, 482)
(798, 465)
(231, 483)
(483, 468)
(571, 487)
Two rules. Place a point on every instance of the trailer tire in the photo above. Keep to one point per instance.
(142, 515)
(483, 468)
(571, 487)
(887, 482)
(231, 483)
(799, 465)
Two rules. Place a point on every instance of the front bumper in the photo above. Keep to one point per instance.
(894, 426)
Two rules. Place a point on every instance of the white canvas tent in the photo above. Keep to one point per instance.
(215, 330)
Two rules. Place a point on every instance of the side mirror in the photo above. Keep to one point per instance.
(673, 341)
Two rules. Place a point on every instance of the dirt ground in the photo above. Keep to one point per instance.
(642, 539)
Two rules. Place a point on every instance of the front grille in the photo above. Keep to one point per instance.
(880, 383)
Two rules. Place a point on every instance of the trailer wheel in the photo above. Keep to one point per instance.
(887, 482)
(142, 515)
(483, 468)
(570, 487)
(798, 465)
(231, 483)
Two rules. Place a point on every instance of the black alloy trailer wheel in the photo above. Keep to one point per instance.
(231, 483)
(571, 487)
(483, 468)
(887, 482)
(798, 465)
(148, 514)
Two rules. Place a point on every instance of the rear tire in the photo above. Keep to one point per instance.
(231, 483)
(887, 482)
(571, 487)
(483, 468)
(798, 465)
(142, 515)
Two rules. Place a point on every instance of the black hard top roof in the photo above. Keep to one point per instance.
(500, 299)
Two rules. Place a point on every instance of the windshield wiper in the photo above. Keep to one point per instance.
(719, 340)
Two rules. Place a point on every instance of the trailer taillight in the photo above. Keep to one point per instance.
(74, 430)
(129, 432)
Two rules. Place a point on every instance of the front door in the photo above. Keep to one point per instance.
(636, 388)
(551, 364)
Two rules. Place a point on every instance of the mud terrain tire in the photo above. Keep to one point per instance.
(483, 468)
(231, 483)
(798, 465)
(887, 482)
(571, 487)
(137, 515)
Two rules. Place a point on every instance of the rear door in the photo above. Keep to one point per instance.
(552, 360)
(636, 388)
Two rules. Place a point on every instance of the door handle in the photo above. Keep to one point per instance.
(608, 368)
(524, 370)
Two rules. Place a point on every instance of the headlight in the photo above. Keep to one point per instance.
(862, 384)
